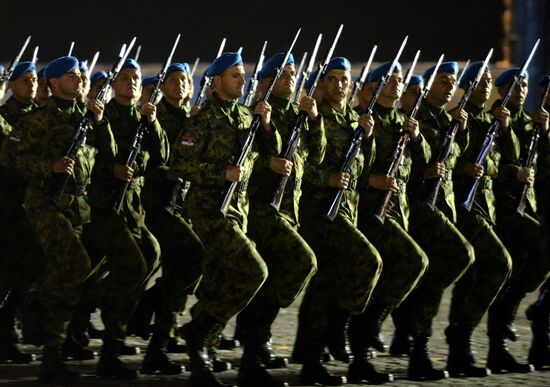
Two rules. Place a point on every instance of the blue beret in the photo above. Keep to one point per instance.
(60, 66)
(376, 74)
(225, 61)
(415, 80)
(178, 67)
(131, 64)
(40, 72)
(98, 76)
(508, 75)
(309, 81)
(470, 73)
(338, 63)
(446, 67)
(543, 82)
(270, 66)
(83, 66)
(149, 80)
(22, 68)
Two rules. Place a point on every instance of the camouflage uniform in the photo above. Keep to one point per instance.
(132, 250)
(478, 287)
(521, 235)
(20, 261)
(181, 249)
(348, 264)
(233, 269)
(290, 260)
(449, 252)
(46, 135)
(404, 260)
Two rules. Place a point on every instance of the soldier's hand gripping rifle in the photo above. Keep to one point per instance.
(399, 152)
(294, 138)
(59, 180)
(530, 152)
(450, 133)
(494, 128)
(253, 82)
(207, 79)
(254, 126)
(6, 75)
(355, 145)
(135, 147)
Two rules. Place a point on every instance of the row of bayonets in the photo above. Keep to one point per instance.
(354, 148)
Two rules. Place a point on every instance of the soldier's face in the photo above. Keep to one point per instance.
(409, 97)
(94, 89)
(230, 84)
(394, 87)
(128, 83)
(67, 86)
(43, 92)
(175, 85)
(517, 99)
(286, 84)
(442, 88)
(85, 85)
(335, 85)
(482, 92)
(24, 88)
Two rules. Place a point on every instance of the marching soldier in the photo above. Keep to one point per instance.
(205, 154)
(411, 93)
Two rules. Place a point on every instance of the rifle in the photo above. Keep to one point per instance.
(138, 51)
(450, 134)
(305, 74)
(355, 145)
(253, 82)
(35, 55)
(299, 77)
(399, 152)
(529, 154)
(494, 128)
(207, 79)
(135, 147)
(254, 126)
(59, 180)
(6, 75)
(294, 138)
(92, 65)
(358, 84)
(195, 66)
(71, 49)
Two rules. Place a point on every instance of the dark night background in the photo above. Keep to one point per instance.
(461, 29)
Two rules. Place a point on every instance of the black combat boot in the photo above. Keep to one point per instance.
(374, 316)
(140, 323)
(460, 361)
(504, 309)
(9, 352)
(110, 366)
(420, 365)
(538, 314)
(218, 365)
(314, 373)
(251, 372)
(499, 359)
(80, 322)
(360, 370)
(156, 360)
(198, 333)
(402, 340)
(73, 350)
(336, 339)
(53, 370)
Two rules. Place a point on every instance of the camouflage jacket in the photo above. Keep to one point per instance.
(434, 122)
(339, 130)
(158, 189)
(388, 129)
(12, 183)
(311, 148)
(211, 141)
(495, 165)
(46, 135)
(507, 190)
(154, 149)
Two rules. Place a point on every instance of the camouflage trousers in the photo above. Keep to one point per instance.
(182, 255)
(480, 284)
(233, 270)
(523, 237)
(404, 260)
(128, 259)
(54, 296)
(21, 259)
(449, 254)
(348, 269)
